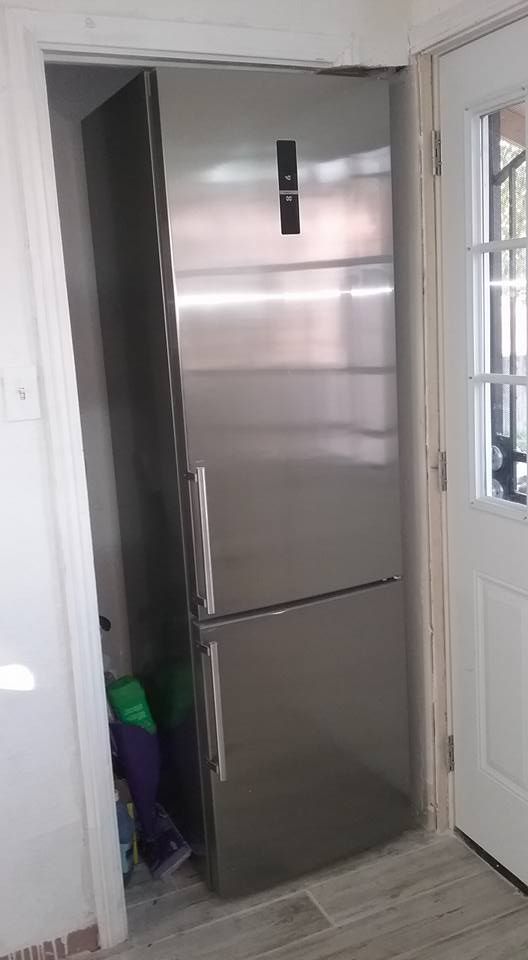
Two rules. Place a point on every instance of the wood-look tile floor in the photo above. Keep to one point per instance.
(423, 896)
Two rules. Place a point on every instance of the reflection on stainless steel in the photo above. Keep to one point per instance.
(328, 171)
(315, 732)
(289, 296)
(286, 342)
(220, 133)
(358, 165)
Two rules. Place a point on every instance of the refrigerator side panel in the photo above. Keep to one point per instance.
(286, 340)
(126, 234)
(313, 726)
(117, 151)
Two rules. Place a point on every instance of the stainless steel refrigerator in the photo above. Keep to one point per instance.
(273, 255)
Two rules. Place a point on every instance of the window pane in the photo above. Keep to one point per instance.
(520, 479)
(505, 310)
(504, 202)
(505, 412)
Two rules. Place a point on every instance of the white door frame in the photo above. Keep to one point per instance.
(32, 38)
(461, 22)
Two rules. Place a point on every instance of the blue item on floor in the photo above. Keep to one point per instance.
(126, 828)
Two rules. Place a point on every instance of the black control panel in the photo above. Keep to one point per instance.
(288, 186)
(289, 213)
(287, 165)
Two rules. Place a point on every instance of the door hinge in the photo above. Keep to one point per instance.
(437, 153)
(442, 470)
(451, 753)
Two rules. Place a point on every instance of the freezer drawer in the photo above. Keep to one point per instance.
(306, 710)
(286, 342)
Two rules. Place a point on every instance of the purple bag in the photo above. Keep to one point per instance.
(138, 755)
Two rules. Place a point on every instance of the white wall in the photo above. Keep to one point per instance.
(45, 887)
(72, 94)
(451, 15)
(422, 10)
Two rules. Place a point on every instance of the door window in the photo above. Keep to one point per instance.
(499, 285)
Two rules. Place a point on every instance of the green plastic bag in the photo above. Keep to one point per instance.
(170, 692)
(129, 702)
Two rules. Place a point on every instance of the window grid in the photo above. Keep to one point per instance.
(500, 379)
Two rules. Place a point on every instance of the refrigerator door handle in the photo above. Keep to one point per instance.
(218, 763)
(199, 477)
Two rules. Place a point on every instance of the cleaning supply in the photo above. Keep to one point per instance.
(135, 850)
(129, 702)
(126, 830)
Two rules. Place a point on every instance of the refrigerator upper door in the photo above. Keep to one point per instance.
(286, 340)
(304, 716)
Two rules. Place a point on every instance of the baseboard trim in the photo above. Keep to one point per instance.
(78, 941)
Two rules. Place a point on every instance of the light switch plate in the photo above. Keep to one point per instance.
(21, 393)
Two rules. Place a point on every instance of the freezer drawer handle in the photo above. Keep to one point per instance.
(217, 764)
(199, 477)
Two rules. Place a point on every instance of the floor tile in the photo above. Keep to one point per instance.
(238, 937)
(504, 939)
(158, 909)
(143, 888)
(420, 897)
(413, 923)
(384, 881)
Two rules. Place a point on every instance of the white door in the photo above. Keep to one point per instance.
(483, 188)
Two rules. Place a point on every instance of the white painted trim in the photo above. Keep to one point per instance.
(434, 427)
(30, 35)
(127, 38)
(61, 414)
(465, 21)
(435, 441)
